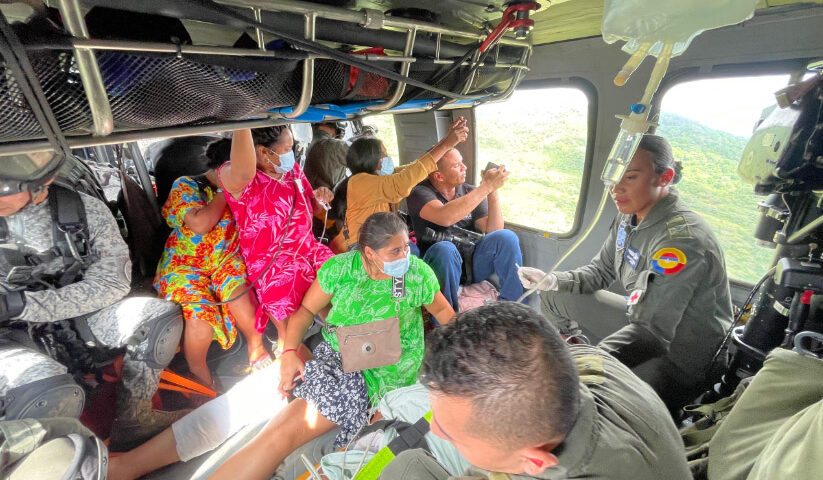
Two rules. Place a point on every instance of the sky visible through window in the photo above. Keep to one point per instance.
(708, 122)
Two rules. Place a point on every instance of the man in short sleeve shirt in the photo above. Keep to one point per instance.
(445, 200)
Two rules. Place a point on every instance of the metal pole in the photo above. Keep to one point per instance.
(404, 70)
(258, 17)
(89, 70)
(360, 17)
(131, 136)
(308, 73)
(143, 174)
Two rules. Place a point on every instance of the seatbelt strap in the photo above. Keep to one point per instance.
(404, 441)
(174, 382)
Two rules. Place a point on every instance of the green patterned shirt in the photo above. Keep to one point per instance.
(358, 299)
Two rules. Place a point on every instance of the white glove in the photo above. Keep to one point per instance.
(529, 277)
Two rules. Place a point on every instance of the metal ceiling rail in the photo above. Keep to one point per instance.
(156, 47)
(404, 70)
(99, 106)
(368, 18)
(308, 71)
(132, 136)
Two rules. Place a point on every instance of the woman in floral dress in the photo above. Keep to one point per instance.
(202, 263)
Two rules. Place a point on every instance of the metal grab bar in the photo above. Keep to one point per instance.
(89, 70)
(364, 17)
(404, 70)
(308, 72)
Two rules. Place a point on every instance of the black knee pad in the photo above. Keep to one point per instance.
(159, 338)
(57, 396)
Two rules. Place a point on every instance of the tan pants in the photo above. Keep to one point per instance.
(414, 465)
(776, 428)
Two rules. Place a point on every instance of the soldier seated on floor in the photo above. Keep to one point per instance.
(64, 272)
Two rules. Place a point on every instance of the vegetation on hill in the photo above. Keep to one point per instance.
(545, 153)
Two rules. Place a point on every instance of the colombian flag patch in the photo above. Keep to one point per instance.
(668, 261)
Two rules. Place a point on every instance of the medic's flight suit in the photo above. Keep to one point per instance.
(678, 306)
(98, 298)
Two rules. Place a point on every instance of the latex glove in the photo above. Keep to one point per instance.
(530, 276)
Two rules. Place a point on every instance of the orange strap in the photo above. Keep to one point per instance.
(177, 383)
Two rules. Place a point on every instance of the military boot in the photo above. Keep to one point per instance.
(133, 428)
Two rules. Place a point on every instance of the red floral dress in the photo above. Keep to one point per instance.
(262, 214)
(196, 267)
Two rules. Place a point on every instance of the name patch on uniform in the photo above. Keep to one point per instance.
(620, 240)
(668, 261)
(632, 257)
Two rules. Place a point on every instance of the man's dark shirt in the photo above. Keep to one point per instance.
(424, 193)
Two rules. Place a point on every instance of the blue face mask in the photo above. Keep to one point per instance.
(386, 166)
(286, 163)
(397, 268)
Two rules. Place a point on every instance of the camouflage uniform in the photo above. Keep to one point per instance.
(114, 321)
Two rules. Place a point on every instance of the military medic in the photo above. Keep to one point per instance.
(64, 270)
(670, 264)
(519, 404)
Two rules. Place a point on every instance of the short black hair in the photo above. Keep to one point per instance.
(364, 155)
(267, 136)
(218, 152)
(378, 229)
(505, 356)
(663, 158)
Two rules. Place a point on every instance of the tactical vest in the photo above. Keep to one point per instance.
(66, 341)
(70, 232)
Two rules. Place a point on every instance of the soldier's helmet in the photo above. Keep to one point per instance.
(27, 172)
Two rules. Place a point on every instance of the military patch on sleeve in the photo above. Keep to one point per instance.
(668, 261)
(678, 228)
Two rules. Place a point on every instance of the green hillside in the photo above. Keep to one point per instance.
(546, 154)
(712, 188)
(545, 151)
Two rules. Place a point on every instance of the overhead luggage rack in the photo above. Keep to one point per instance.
(109, 90)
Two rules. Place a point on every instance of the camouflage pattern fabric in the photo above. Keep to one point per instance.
(98, 296)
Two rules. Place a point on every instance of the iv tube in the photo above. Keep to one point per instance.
(636, 124)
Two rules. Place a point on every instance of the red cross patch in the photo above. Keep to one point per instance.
(635, 297)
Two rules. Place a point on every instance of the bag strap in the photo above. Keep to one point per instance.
(405, 440)
(70, 229)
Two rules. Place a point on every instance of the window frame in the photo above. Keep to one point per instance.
(590, 92)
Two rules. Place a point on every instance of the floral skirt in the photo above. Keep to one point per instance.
(183, 283)
(340, 397)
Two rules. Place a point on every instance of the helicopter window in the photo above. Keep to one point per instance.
(708, 123)
(540, 135)
(384, 125)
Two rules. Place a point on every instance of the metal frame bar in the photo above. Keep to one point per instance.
(101, 111)
(515, 81)
(361, 17)
(155, 47)
(308, 72)
(30, 146)
(143, 174)
(404, 70)
(258, 17)
(103, 121)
